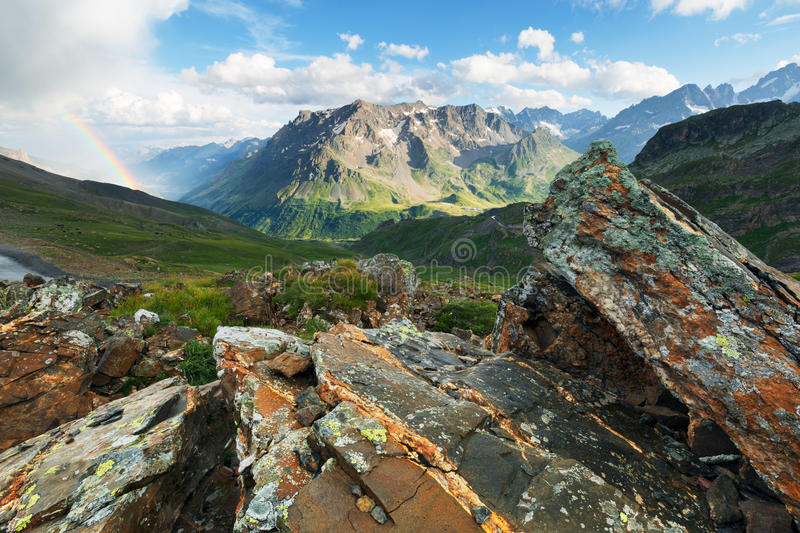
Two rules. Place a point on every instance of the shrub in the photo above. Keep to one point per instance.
(312, 327)
(343, 287)
(469, 314)
(199, 365)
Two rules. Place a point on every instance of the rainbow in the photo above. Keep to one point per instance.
(107, 154)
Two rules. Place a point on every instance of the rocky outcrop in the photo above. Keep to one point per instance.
(117, 470)
(424, 430)
(716, 325)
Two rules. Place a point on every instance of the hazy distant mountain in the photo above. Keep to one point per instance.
(782, 84)
(631, 128)
(172, 172)
(561, 125)
(339, 173)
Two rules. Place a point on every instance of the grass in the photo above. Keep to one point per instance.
(311, 328)
(82, 229)
(199, 365)
(796, 276)
(469, 314)
(198, 304)
(343, 287)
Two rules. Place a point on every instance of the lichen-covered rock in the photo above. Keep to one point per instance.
(120, 354)
(253, 300)
(538, 449)
(717, 326)
(117, 470)
(47, 362)
(394, 276)
(269, 439)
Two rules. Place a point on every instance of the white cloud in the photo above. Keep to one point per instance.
(404, 50)
(720, 9)
(576, 37)
(541, 39)
(793, 59)
(518, 98)
(326, 80)
(741, 38)
(55, 47)
(624, 79)
(166, 109)
(353, 40)
(785, 19)
(506, 68)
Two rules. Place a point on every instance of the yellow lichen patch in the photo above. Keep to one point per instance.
(31, 502)
(623, 517)
(23, 523)
(104, 467)
(375, 436)
(30, 489)
(727, 345)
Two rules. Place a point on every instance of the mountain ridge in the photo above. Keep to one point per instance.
(338, 173)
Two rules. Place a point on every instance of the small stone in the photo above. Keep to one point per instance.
(704, 482)
(723, 501)
(356, 491)
(481, 513)
(32, 280)
(307, 415)
(290, 364)
(310, 460)
(379, 514)
(146, 318)
(365, 504)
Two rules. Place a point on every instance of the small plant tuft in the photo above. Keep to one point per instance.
(199, 365)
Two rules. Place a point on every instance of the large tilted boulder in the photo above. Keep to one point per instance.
(716, 325)
(132, 465)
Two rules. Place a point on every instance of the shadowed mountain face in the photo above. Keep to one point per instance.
(339, 173)
(740, 167)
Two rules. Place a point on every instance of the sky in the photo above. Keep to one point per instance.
(133, 75)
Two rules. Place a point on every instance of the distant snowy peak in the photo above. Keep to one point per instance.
(782, 84)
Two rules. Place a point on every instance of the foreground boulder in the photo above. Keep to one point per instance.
(426, 432)
(47, 362)
(716, 325)
(130, 466)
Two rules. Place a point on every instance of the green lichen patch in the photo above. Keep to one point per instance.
(104, 467)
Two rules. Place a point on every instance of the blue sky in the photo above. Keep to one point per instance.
(165, 72)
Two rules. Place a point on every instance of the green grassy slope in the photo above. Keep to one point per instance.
(90, 228)
(740, 167)
(475, 243)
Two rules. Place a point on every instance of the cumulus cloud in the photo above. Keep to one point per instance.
(793, 59)
(353, 40)
(404, 50)
(166, 109)
(541, 39)
(720, 9)
(785, 19)
(326, 80)
(741, 38)
(576, 37)
(518, 98)
(632, 80)
(507, 68)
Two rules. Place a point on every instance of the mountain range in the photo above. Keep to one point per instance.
(632, 127)
(740, 167)
(171, 172)
(337, 174)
